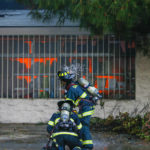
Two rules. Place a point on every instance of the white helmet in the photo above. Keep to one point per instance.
(66, 106)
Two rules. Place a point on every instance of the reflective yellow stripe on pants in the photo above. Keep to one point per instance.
(87, 142)
(88, 113)
(66, 133)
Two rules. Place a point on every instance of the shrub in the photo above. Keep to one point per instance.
(124, 123)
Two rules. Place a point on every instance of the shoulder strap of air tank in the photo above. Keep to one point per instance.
(69, 85)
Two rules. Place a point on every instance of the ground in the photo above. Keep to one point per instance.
(34, 137)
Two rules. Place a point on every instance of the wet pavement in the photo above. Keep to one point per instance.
(34, 137)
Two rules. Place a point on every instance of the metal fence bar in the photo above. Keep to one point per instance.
(65, 50)
(71, 49)
(92, 59)
(44, 62)
(125, 73)
(119, 66)
(28, 39)
(108, 66)
(17, 66)
(33, 53)
(54, 67)
(49, 39)
(87, 60)
(13, 39)
(62, 55)
(81, 57)
(97, 40)
(39, 77)
(76, 53)
(130, 74)
(114, 66)
(7, 64)
(2, 66)
(103, 72)
(23, 68)
(60, 63)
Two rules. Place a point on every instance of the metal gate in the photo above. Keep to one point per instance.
(29, 64)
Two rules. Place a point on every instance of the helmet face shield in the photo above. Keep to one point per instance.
(64, 115)
(66, 106)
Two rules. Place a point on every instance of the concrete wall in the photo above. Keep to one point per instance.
(36, 111)
(142, 77)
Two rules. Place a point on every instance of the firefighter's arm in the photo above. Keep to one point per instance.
(78, 125)
(71, 95)
(51, 124)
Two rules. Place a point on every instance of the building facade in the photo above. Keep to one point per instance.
(32, 52)
(29, 61)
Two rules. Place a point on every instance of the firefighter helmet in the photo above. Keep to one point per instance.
(65, 105)
(65, 76)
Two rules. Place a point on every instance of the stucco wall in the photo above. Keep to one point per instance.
(142, 77)
(36, 111)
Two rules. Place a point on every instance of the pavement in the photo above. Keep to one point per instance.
(34, 137)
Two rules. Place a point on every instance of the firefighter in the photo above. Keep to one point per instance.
(64, 128)
(80, 97)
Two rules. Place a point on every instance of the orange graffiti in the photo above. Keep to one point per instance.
(27, 78)
(44, 60)
(131, 45)
(118, 78)
(30, 48)
(45, 76)
(107, 79)
(90, 65)
(27, 61)
(43, 42)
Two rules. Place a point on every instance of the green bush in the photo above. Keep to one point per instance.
(124, 123)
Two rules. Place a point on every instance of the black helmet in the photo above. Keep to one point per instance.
(65, 105)
(65, 76)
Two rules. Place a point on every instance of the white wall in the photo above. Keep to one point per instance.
(36, 111)
(142, 77)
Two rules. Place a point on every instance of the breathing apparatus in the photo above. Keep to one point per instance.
(84, 83)
(65, 123)
(91, 90)
(65, 110)
(64, 115)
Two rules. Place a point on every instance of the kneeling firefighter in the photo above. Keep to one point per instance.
(80, 93)
(64, 128)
